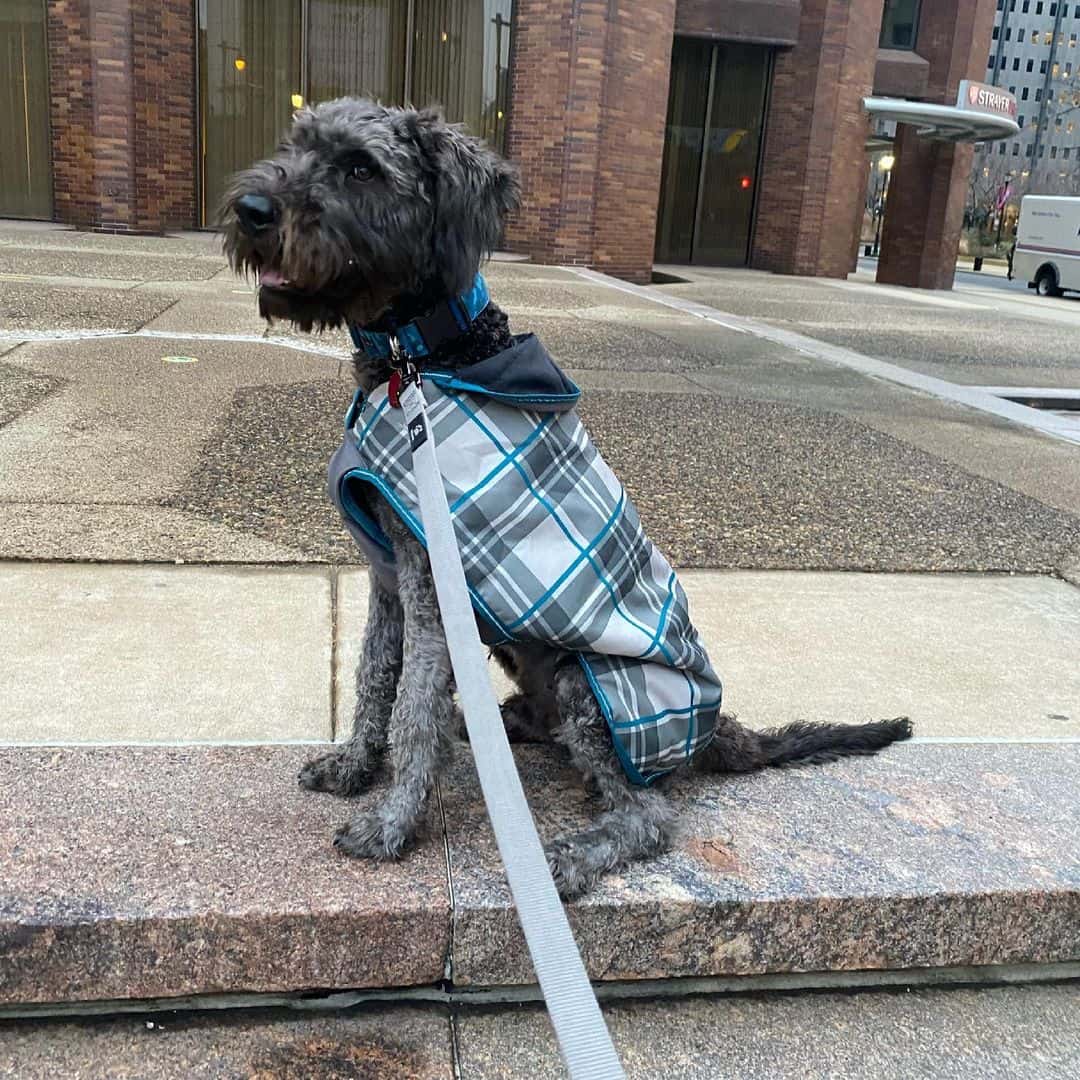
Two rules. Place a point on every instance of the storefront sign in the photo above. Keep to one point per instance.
(979, 97)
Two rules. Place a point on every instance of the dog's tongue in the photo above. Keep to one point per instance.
(270, 277)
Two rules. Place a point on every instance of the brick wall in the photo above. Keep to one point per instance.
(589, 98)
(634, 116)
(813, 162)
(921, 232)
(122, 89)
(759, 22)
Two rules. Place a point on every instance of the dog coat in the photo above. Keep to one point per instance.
(552, 547)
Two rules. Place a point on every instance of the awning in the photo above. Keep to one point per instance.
(982, 113)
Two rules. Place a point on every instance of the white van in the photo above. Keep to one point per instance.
(1047, 252)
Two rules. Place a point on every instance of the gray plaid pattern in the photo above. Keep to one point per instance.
(553, 551)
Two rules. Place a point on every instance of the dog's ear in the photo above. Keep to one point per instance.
(474, 190)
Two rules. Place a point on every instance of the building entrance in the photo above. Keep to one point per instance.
(716, 110)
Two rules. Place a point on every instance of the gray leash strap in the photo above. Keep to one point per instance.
(582, 1034)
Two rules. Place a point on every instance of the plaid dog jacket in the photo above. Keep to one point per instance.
(552, 547)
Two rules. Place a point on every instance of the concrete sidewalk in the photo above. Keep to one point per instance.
(126, 654)
(172, 574)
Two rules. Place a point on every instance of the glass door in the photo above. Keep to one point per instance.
(688, 100)
(258, 61)
(249, 75)
(26, 162)
(356, 48)
(716, 112)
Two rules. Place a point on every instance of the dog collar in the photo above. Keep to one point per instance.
(423, 335)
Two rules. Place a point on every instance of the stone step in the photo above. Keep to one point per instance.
(156, 872)
(965, 1034)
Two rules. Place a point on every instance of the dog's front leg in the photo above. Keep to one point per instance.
(348, 769)
(422, 719)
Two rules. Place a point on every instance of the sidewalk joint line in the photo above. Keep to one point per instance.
(608, 991)
(955, 393)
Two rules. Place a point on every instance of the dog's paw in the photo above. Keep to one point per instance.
(573, 877)
(336, 773)
(369, 836)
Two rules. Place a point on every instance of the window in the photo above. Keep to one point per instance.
(1024, 94)
(1038, 8)
(1008, 33)
(1027, 7)
(1072, 41)
(996, 34)
(1016, 149)
(1068, 70)
(899, 24)
(1016, 63)
(1020, 35)
(1031, 65)
(1048, 39)
(1042, 150)
(1001, 148)
(1055, 70)
(1027, 150)
(1042, 68)
(1053, 151)
(1020, 120)
(1038, 93)
(1065, 153)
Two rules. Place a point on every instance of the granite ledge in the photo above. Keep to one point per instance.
(144, 872)
(925, 856)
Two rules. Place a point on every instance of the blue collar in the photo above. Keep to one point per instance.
(421, 337)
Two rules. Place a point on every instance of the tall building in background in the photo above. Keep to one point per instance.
(1034, 54)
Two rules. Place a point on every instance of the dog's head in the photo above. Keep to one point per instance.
(362, 204)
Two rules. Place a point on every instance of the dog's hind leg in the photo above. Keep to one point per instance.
(347, 769)
(531, 714)
(637, 823)
(422, 718)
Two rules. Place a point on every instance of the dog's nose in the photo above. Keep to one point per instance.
(255, 213)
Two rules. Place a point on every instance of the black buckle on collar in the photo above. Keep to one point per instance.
(440, 325)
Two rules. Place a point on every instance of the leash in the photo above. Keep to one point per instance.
(582, 1034)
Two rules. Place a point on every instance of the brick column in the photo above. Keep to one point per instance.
(813, 164)
(122, 92)
(586, 129)
(925, 210)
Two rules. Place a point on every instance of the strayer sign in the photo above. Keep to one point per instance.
(978, 97)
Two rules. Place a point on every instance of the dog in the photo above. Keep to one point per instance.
(378, 218)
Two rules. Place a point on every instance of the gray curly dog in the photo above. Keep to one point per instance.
(372, 217)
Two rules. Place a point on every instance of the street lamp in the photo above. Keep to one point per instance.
(884, 165)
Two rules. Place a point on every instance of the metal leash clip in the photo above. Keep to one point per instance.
(404, 373)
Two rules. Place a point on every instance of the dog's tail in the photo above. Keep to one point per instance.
(739, 749)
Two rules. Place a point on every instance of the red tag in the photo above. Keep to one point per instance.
(393, 389)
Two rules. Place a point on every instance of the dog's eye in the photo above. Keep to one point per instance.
(360, 172)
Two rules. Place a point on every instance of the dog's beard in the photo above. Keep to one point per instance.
(311, 300)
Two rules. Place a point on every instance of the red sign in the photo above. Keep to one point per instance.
(979, 97)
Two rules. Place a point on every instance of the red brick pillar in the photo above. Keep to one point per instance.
(122, 90)
(925, 210)
(587, 120)
(813, 166)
